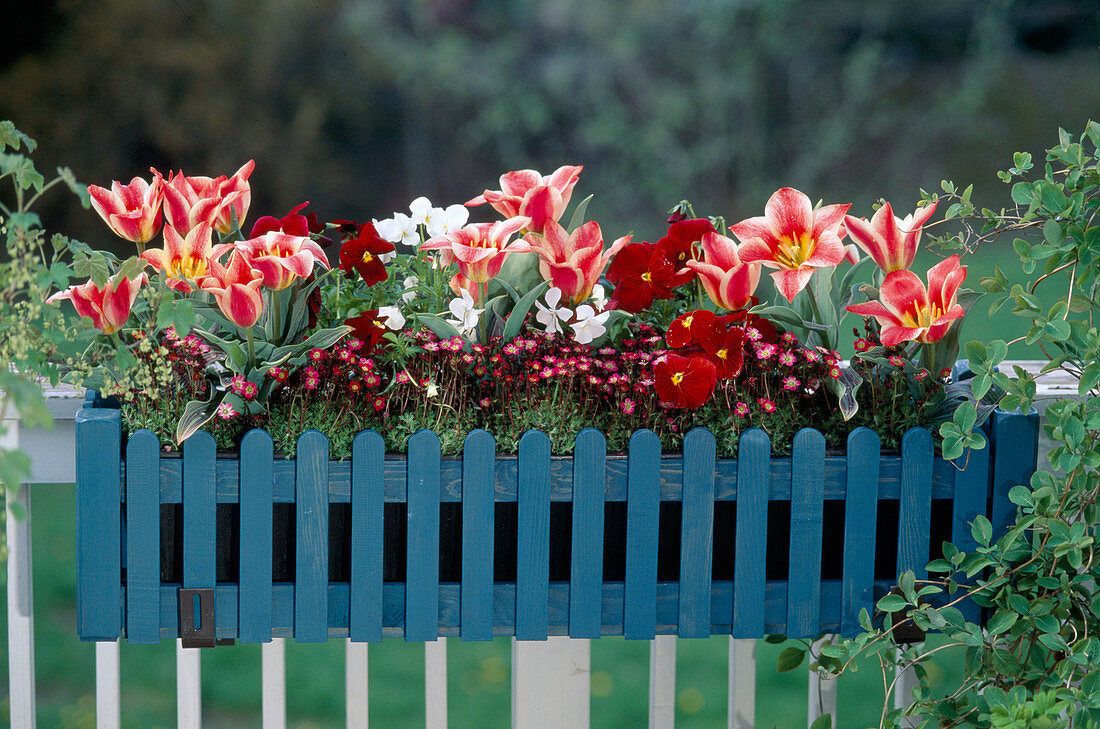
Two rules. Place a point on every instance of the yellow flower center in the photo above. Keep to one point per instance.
(921, 317)
(722, 353)
(367, 257)
(687, 320)
(794, 251)
(647, 276)
(188, 268)
(677, 378)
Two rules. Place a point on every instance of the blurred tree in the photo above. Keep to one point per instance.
(360, 105)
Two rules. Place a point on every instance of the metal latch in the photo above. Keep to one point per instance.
(196, 619)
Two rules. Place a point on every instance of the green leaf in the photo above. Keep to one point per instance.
(982, 530)
(196, 414)
(789, 659)
(1054, 198)
(1021, 496)
(775, 639)
(578, 214)
(825, 721)
(891, 603)
(1001, 621)
(519, 312)
(441, 328)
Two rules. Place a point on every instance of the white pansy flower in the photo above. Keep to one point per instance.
(421, 208)
(465, 315)
(398, 229)
(599, 297)
(391, 316)
(410, 285)
(387, 257)
(442, 221)
(551, 316)
(589, 324)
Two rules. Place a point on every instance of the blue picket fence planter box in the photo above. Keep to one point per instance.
(126, 586)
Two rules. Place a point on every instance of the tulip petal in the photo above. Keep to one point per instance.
(790, 212)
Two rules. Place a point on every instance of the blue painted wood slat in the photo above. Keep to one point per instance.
(368, 453)
(697, 534)
(807, 494)
(143, 538)
(311, 539)
(533, 549)
(199, 512)
(256, 479)
(1015, 440)
(98, 524)
(751, 533)
(642, 515)
(586, 567)
(971, 493)
(915, 508)
(478, 490)
(860, 523)
(422, 569)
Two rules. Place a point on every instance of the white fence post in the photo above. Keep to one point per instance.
(20, 596)
(435, 684)
(273, 680)
(108, 700)
(550, 683)
(662, 682)
(742, 683)
(188, 687)
(822, 692)
(355, 680)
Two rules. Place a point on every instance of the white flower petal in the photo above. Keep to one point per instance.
(421, 207)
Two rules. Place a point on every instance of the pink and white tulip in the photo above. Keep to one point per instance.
(189, 201)
(132, 211)
(892, 242)
(182, 260)
(481, 249)
(280, 258)
(792, 237)
(236, 288)
(529, 194)
(727, 279)
(573, 262)
(107, 307)
(908, 311)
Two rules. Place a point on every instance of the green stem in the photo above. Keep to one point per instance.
(251, 348)
(825, 338)
(276, 317)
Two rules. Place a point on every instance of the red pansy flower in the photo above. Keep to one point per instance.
(293, 223)
(725, 348)
(684, 382)
(361, 255)
(640, 274)
(679, 246)
(369, 329)
(692, 327)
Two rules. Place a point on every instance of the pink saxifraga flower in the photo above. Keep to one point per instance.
(225, 411)
(766, 405)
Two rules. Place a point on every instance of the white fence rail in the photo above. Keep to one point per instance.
(550, 679)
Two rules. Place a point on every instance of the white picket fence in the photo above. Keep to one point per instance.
(550, 679)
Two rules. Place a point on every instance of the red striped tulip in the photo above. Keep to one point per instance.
(573, 262)
(892, 242)
(189, 201)
(182, 260)
(280, 258)
(236, 288)
(792, 237)
(132, 211)
(529, 194)
(728, 281)
(907, 311)
(107, 307)
(481, 249)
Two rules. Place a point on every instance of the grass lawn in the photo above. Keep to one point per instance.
(479, 683)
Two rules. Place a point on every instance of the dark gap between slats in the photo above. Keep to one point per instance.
(778, 550)
(450, 541)
(614, 541)
(171, 541)
(339, 542)
(942, 510)
(228, 542)
(668, 541)
(725, 539)
(832, 539)
(283, 521)
(505, 536)
(561, 540)
(886, 540)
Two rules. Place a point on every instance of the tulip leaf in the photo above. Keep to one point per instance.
(845, 388)
(442, 329)
(519, 312)
(234, 354)
(196, 414)
(322, 339)
(578, 214)
(847, 288)
(511, 291)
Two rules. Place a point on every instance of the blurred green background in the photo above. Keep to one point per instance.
(361, 105)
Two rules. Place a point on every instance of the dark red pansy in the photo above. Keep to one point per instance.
(689, 328)
(640, 275)
(684, 382)
(361, 255)
(726, 349)
(368, 329)
(678, 245)
(293, 223)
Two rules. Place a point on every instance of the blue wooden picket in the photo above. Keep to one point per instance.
(756, 595)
